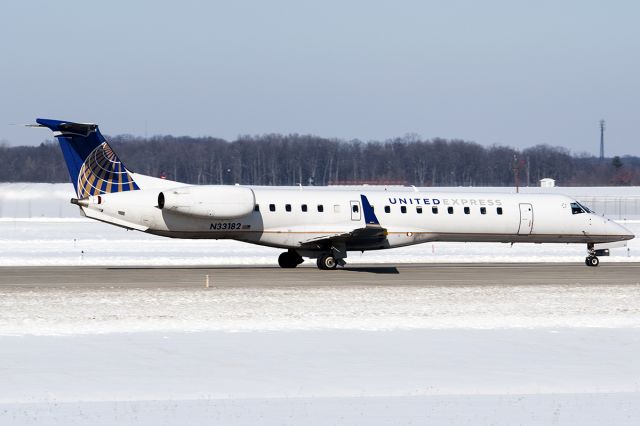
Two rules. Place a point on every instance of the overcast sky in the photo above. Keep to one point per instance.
(517, 73)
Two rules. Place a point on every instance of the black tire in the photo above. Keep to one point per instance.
(594, 261)
(327, 262)
(586, 261)
(295, 258)
(285, 260)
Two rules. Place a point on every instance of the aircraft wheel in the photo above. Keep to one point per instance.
(286, 260)
(327, 262)
(593, 261)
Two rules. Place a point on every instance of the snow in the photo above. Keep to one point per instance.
(37, 200)
(464, 354)
(469, 354)
(558, 376)
(536, 409)
(81, 242)
(61, 311)
(38, 226)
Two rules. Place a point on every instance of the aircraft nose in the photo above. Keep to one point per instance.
(623, 232)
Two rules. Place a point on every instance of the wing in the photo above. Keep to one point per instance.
(371, 234)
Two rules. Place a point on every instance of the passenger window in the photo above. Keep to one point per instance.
(320, 208)
(304, 207)
(483, 210)
(256, 208)
(576, 208)
(467, 210)
(287, 207)
(434, 210)
(272, 207)
(387, 209)
(403, 209)
(450, 210)
(354, 208)
(499, 210)
(419, 209)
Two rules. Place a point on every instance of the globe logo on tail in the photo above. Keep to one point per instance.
(102, 172)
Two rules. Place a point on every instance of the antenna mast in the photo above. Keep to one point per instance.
(602, 127)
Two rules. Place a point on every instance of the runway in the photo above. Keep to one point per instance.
(422, 275)
(361, 345)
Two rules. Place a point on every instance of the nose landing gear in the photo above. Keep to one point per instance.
(591, 259)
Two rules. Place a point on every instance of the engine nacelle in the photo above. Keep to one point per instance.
(208, 201)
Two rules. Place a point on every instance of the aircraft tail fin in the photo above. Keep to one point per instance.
(94, 168)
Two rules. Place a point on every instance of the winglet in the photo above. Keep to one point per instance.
(369, 215)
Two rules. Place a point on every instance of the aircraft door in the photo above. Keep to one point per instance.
(355, 210)
(526, 219)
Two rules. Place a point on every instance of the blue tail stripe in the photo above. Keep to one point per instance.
(369, 215)
(72, 159)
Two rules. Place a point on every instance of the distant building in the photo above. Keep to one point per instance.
(547, 183)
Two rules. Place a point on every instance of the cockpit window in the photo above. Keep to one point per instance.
(585, 208)
(576, 208)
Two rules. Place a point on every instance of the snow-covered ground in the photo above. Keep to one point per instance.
(38, 226)
(78, 242)
(390, 355)
(520, 354)
(470, 377)
(63, 311)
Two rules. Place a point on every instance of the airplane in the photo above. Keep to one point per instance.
(322, 223)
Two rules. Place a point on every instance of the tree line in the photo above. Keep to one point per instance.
(303, 159)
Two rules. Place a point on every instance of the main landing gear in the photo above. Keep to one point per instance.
(591, 259)
(327, 261)
(333, 257)
(330, 261)
(289, 259)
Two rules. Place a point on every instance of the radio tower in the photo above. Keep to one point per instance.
(602, 140)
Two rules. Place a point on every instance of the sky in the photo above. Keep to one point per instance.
(515, 73)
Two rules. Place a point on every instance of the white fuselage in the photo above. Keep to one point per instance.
(295, 217)
(323, 223)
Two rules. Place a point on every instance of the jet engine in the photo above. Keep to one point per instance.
(208, 201)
